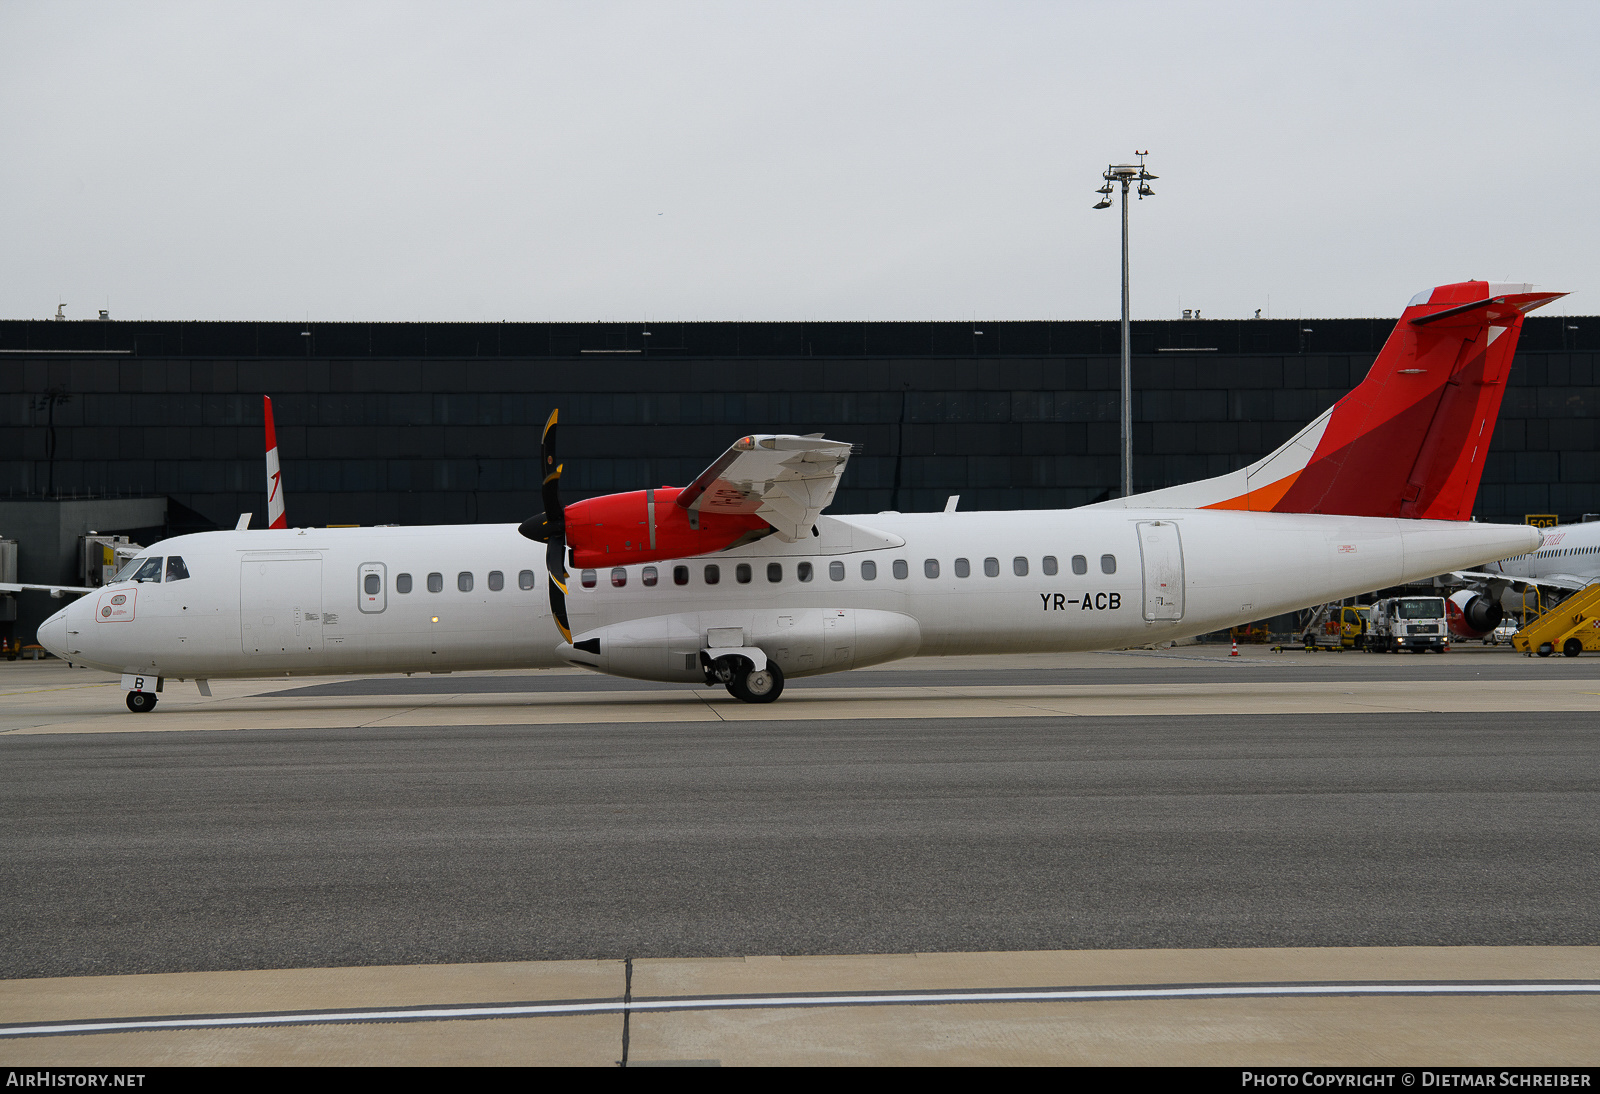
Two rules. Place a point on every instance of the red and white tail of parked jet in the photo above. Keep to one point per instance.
(1376, 492)
(277, 514)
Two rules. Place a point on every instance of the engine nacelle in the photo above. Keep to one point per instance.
(802, 641)
(1472, 614)
(649, 525)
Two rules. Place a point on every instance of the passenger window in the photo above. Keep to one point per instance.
(497, 581)
(803, 571)
(524, 581)
(741, 573)
(1080, 565)
(436, 583)
(869, 570)
(1108, 564)
(713, 574)
(464, 582)
(619, 577)
(176, 570)
(587, 579)
(402, 582)
(150, 571)
(1050, 565)
(901, 570)
(963, 568)
(774, 572)
(930, 567)
(680, 575)
(835, 571)
(991, 567)
(1019, 566)
(648, 576)
(371, 584)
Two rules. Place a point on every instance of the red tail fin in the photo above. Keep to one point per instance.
(1411, 439)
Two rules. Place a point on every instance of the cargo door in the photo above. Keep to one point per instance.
(1161, 553)
(280, 607)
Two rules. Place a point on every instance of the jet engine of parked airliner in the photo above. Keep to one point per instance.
(1472, 614)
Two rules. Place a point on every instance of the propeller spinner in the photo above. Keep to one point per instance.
(550, 527)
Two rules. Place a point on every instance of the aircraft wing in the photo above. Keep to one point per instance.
(785, 480)
(1571, 582)
(57, 591)
(1561, 581)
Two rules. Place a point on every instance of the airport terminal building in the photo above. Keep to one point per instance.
(413, 423)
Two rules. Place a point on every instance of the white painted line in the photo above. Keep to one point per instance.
(768, 1002)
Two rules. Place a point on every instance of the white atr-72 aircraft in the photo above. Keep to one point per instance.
(739, 579)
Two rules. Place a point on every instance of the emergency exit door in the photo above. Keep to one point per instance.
(1161, 556)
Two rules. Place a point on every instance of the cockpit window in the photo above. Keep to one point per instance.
(150, 571)
(129, 568)
(176, 570)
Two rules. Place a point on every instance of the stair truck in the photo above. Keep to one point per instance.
(1572, 626)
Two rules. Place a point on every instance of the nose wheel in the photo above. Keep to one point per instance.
(757, 685)
(141, 702)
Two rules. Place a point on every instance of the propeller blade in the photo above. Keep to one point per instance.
(550, 527)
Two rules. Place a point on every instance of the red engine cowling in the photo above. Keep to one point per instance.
(1472, 614)
(648, 525)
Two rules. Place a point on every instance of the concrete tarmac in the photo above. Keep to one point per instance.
(1434, 818)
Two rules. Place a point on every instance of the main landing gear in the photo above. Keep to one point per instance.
(747, 683)
(141, 702)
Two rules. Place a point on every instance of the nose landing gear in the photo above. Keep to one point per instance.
(141, 702)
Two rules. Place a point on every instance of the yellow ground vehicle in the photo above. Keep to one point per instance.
(1572, 626)
(1336, 626)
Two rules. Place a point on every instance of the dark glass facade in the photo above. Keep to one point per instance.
(439, 423)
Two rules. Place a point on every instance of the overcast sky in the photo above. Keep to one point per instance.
(707, 161)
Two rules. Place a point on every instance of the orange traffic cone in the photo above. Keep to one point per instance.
(1235, 652)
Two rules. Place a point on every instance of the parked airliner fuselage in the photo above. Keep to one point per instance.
(861, 591)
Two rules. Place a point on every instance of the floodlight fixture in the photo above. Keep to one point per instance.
(1127, 174)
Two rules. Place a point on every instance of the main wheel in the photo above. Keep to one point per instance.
(1546, 649)
(141, 702)
(758, 685)
(1572, 647)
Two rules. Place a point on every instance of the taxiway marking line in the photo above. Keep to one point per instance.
(768, 1002)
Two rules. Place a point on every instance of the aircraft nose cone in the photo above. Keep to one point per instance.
(53, 633)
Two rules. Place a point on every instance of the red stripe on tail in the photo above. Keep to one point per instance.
(1411, 439)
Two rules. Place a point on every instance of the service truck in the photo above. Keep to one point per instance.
(1335, 627)
(1408, 623)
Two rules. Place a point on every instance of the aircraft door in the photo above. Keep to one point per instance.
(280, 606)
(1161, 553)
(372, 588)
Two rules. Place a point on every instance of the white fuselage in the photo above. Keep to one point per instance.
(296, 601)
(1570, 552)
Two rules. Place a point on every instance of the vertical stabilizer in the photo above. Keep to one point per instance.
(1410, 440)
(276, 515)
